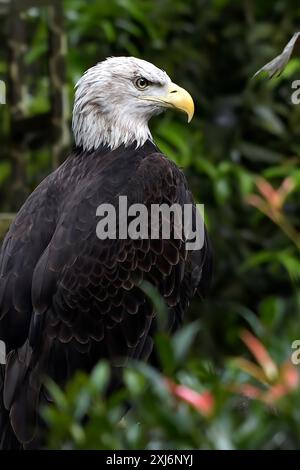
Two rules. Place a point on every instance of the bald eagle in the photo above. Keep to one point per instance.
(69, 299)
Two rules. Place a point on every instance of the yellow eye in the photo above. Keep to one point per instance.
(141, 83)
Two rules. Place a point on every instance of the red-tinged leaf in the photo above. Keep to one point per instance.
(275, 393)
(288, 381)
(287, 186)
(270, 194)
(261, 355)
(256, 201)
(263, 206)
(202, 402)
(251, 369)
(290, 376)
(247, 390)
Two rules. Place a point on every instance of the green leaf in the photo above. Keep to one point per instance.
(271, 311)
(158, 302)
(182, 341)
(134, 381)
(166, 354)
(58, 395)
(100, 376)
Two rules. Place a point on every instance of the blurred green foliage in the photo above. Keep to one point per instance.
(242, 129)
(201, 413)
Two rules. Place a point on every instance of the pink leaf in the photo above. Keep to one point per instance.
(261, 355)
(203, 402)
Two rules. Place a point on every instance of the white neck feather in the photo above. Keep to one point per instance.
(93, 127)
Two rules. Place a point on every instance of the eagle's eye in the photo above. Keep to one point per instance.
(141, 83)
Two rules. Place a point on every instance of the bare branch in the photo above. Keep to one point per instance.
(277, 65)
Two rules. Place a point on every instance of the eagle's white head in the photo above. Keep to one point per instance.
(115, 100)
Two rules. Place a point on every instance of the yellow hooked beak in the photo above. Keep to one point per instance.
(177, 98)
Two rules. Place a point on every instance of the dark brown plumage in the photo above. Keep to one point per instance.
(68, 299)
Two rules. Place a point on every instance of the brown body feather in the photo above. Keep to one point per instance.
(68, 299)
